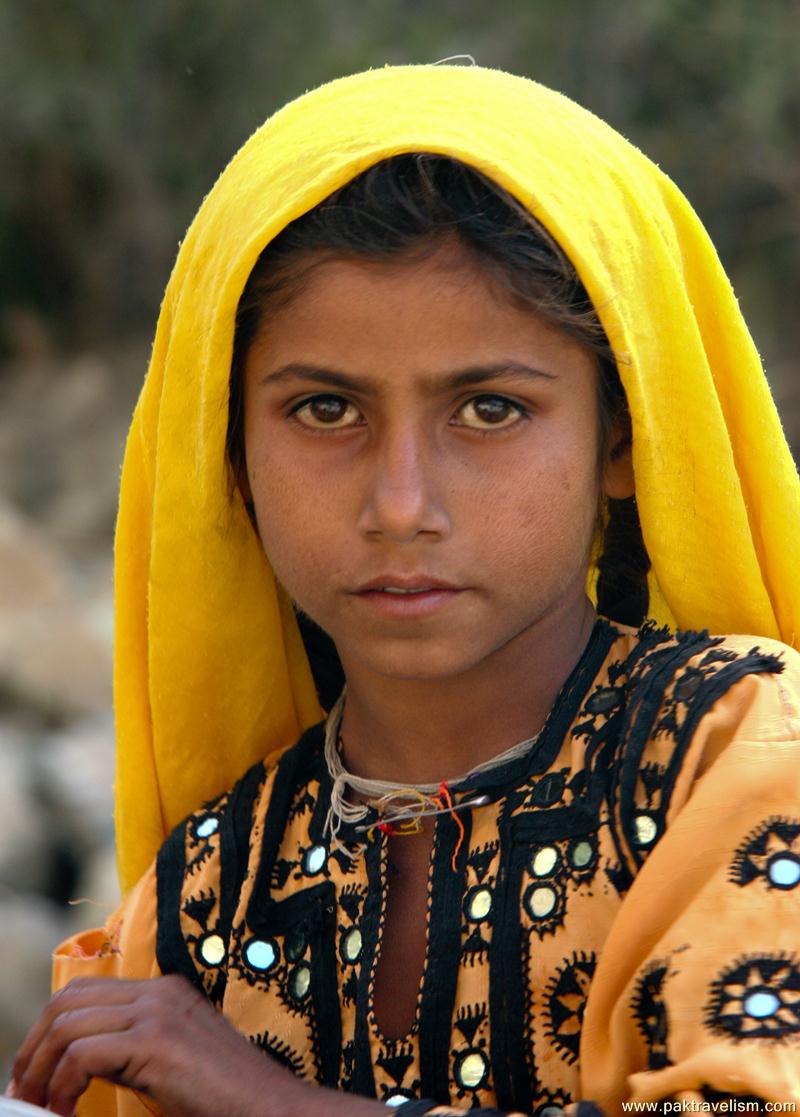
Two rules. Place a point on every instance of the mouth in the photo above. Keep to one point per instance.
(417, 597)
(405, 584)
(401, 591)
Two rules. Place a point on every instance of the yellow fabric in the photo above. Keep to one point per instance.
(210, 668)
(125, 948)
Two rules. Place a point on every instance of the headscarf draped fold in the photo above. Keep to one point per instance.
(210, 670)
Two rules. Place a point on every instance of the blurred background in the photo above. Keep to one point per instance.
(117, 118)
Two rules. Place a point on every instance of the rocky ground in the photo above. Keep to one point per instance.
(62, 429)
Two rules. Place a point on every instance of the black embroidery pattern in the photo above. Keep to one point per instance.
(650, 1013)
(302, 803)
(554, 868)
(602, 704)
(261, 966)
(209, 945)
(281, 871)
(313, 918)
(547, 791)
(686, 688)
(193, 923)
(470, 1060)
(279, 1050)
(478, 904)
(348, 1060)
(202, 833)
(350, 937)
(199, 908)
(670, 690)
(757, 998)
(546, 905)
(664, 687)
(471, 1067)
(312, 862)
(279, 962)
(565, 998)
(395, 1058)
(469, 1020)
(601, 721)
(618, 876)
(771, 852)
(606, 704)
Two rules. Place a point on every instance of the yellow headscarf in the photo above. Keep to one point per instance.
(211, 672)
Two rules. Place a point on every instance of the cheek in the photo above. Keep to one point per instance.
(540, 521)
(296, 517)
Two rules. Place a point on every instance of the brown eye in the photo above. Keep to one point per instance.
(484, 412)
(326, 411)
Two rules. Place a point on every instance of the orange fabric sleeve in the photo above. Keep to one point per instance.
(698, 987)
(123, 948)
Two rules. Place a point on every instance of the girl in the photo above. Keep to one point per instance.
(532, 849)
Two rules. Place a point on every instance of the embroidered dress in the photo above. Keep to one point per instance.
(621, 922)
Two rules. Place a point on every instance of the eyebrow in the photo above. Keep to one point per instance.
(460, 378)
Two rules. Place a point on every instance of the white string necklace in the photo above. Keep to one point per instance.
(400, 807)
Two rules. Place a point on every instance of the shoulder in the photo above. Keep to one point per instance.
(672, 680)
(238, 806)
(687, 699)
(202, 865)
(750, 684)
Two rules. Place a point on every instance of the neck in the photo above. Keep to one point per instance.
(428, 730)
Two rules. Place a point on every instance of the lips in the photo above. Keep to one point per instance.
(406, 584)
(407, 597)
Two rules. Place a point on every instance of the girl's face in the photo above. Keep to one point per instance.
(404, 422)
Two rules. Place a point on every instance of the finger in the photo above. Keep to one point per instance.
(68, 1027)
(80, 993)
(106, 1056)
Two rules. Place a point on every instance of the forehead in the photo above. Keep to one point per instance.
(436, 310)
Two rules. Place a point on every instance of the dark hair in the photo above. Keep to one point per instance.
(401, 207)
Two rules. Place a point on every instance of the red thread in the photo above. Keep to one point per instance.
(445, 800)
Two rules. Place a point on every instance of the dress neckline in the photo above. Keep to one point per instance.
(495, 782)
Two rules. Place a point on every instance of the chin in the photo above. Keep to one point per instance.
(421, 663)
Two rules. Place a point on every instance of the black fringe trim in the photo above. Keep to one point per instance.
(172, 952)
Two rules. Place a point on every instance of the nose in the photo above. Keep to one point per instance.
(403, 496)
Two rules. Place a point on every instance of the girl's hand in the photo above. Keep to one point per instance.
(161, 1037)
